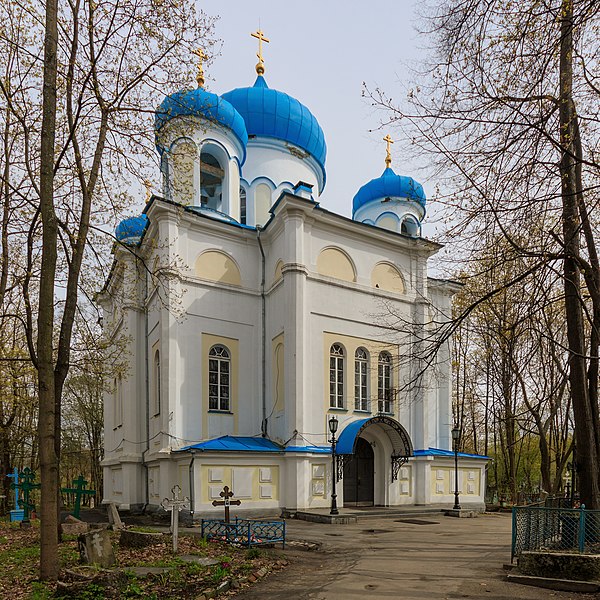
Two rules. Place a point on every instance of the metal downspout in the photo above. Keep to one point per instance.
(191, 481)
(147, 365)
(263, 426)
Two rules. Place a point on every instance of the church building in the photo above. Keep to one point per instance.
(249, 321)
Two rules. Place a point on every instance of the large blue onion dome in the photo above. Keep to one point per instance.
(389, 185)
(274, 114)
(200, 103)
(130, 231)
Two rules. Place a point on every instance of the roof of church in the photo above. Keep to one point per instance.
(389, 185)
(201, 103)
(271, 113)
(131, 230)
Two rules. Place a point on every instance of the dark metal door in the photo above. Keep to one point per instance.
(359, 479)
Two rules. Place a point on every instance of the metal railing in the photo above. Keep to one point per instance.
(246, 532)
(555, 529)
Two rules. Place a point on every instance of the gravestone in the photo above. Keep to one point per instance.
(114, 518)
(95, 548)
(73, 526)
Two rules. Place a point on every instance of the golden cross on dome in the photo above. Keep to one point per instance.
(201, 56)
(260, 36)
(388, 157)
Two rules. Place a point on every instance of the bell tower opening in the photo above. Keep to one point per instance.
(212, 176)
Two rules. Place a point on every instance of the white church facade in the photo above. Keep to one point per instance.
(248, 315)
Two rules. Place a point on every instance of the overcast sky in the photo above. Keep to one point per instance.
(321, 52)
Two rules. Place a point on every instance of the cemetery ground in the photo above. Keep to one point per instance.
(151, 572)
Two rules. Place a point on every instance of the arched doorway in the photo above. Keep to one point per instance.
(359, 476)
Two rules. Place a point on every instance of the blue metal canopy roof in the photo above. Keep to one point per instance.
(270, 113)
(447, 453)
(231, 443)
(389, 185)
(401, 444)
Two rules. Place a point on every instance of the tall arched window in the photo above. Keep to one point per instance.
(243, 205)
(336, 376)
(212, 175)
(156, 383)
(384, 383)
(219, 378)
(361, 365)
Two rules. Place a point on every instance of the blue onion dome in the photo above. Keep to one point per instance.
(200, 103)
(389, 185)
(274, 114)
(131, 230)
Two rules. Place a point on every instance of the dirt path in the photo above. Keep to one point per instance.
(439, 559)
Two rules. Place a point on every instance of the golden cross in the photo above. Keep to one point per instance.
(260, 36)
(388, 157)
(201, 56)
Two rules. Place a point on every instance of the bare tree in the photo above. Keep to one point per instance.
(509, 113)
(103, 69)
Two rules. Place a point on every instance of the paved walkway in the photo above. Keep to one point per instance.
(438, 558)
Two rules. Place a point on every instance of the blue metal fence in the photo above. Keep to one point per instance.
(246, 532)
(555, 529)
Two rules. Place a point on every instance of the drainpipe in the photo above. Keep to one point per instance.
(263, 426)
(191, 478)
(147, 366)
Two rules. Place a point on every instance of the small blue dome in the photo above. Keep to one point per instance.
(198, 102)
(130, 231)
(389, 185)
(274, 114)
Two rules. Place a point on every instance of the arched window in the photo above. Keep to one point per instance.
(409, 227)
(384, 383)
(361, 366)
(336, 376)
(219, 378)
(212, 175)
(242, 205)
(156, 383)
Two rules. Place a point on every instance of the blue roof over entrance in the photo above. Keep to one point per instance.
(401, 444)
(230, 443)
(447, 453)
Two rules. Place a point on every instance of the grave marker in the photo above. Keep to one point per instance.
(226, 494)
(27, 477)
(79, 491)
(175, 505)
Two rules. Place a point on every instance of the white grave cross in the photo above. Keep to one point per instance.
(175, 505)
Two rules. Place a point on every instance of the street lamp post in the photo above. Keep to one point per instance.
(333, 426)
(455, 441)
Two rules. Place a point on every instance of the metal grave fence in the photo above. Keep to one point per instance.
(246, 532)
(555, 529)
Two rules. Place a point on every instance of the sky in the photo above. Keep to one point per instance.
(321, 52)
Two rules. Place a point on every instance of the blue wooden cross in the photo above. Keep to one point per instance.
(15, 485)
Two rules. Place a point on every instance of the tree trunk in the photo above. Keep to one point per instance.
(587, 455)
(47, 417)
